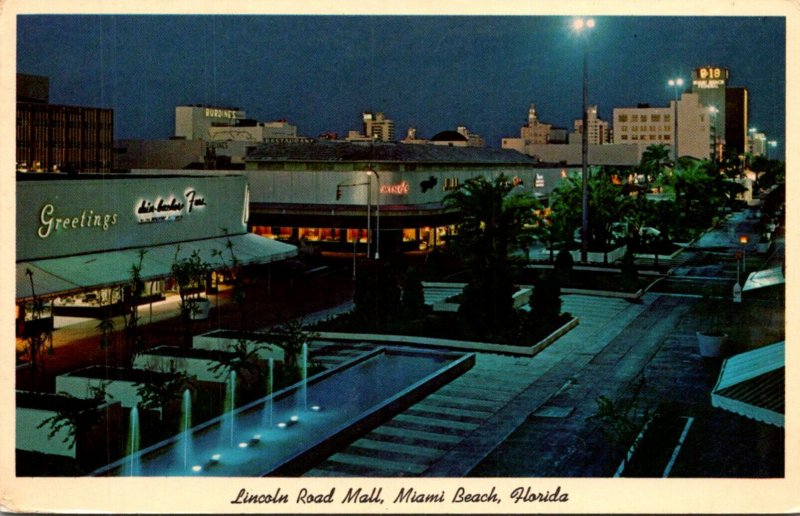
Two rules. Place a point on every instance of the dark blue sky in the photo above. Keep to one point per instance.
(432, 72)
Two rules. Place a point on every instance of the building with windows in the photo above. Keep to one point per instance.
(54, 137)
(649, 125)
(378, 127)
(710, 83)
(79, 236)
(332, 195)
(597, 130)
(195, 122)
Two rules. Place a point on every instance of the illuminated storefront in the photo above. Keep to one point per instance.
(330, 196)
(78, 237)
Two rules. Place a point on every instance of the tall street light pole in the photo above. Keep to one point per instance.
(713, 111)
(580, 25)
(675, 83)
(370, 172)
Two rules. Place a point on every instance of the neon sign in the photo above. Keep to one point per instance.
(169, 208)
(87, 219)
(400, 188)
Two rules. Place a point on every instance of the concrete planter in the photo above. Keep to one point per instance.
(710, 346)
(595, 257)
(222, 340)
(198, 308)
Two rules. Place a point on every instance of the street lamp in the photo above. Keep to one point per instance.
(773, 144)
(370, 172)
(713, 112)
(582, 26)
(675, 83)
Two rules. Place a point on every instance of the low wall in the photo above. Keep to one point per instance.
(466, 345)
(197, 367)
(213, 342)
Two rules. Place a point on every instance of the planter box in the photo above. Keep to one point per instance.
(120, 383)
(222, 340)
(595, 257)
(193, 364)
(93, 444)
(710, 346)
(198, 309)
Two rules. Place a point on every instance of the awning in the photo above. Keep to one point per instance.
(752, 384)
(96, 270)
(765, 278)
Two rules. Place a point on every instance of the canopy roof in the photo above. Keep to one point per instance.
(752, 384)
(96, 270)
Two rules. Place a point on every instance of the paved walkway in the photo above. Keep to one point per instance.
(450, 431)
(527, 417)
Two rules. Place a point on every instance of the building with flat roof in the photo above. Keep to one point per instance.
(53, 138)
(79, 236)
(322, 194)
(194, 122)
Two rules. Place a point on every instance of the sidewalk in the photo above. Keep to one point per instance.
(269, 302)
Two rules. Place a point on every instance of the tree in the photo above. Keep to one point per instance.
(233, 270)
(494, 221)
(291, 335)
(190, 276)
(241, 358)
(157, 390)
(76, 413)
(132, 295)
(376, 295)
(38, 330)
(655, 160)
(413, 297)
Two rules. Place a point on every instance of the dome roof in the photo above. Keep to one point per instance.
(449, 136)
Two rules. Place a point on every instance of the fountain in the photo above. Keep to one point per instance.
(267, 416)
(134, 440)
(304, 377)
(230, 403)
(344, 402)
(186, 426)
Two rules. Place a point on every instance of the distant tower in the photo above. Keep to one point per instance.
(532, 115)
(377, 126)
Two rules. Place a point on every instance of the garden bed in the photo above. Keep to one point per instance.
(591, 282)
(654, 451)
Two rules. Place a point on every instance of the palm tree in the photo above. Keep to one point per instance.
(655, 160)
(494, 222)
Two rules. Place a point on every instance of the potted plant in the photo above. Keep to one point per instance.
(711, 339)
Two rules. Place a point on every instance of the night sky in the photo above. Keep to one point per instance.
(431, 72)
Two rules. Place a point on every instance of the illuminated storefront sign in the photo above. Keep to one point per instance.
(395, 189)
(710, 77)
(51, 221)
(221, 113)
(450, 183)
(165, 209)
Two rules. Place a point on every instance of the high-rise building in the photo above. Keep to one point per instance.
(736, 119)
(54, 137)
(656, 125)
(710, 83)
(377, 126)
(596, 131)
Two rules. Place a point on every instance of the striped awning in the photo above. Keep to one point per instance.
(96, 270)
(752, 384)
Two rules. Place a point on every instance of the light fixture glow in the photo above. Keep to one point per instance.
(197, 468)
(242, 445)
(294, 419)
(315, 408)
(281, 425)
(216, 457)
